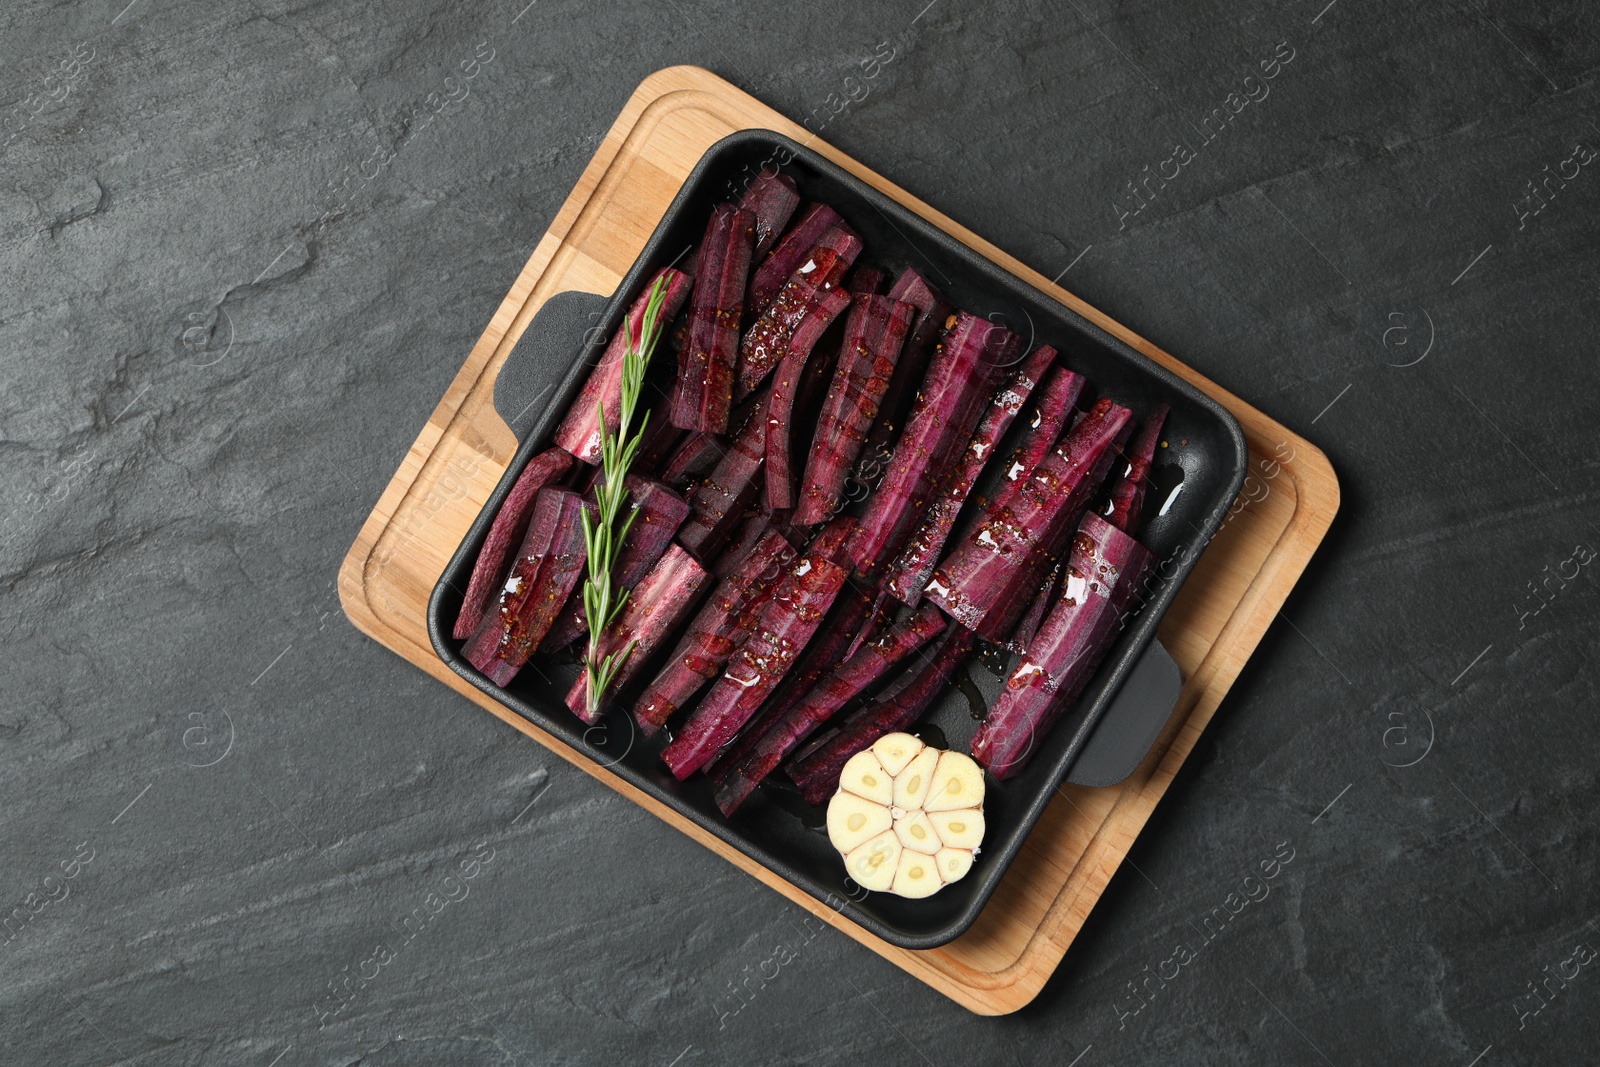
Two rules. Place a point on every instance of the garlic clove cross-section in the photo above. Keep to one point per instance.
(907, 817)
(873, 863)
(911, 784)
(957, 783)
(894, 751)
(917, 876)
(962, 828)
(854, 819)
(953, 863)
(917, 833)
(865, 777)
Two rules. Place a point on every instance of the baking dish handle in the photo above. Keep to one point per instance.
(1132, 723)
(561, 327)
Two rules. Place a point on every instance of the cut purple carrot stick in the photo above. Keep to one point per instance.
(579, 432)
(1050, 416)
(802, 297)
(913, 288)
(875, 332)
(581, 478)
(1127, 493)
(721, 626)
(933, 311)
(864, 280)
(849, 615)
(795, 372)
(816, 375)
(678, 333)
(694, 458)
(797, 535)
(546, 570)
(843, 242)
(1103, 577)
(1038, 608)
(510, 526)
(819, 765)
(984, 583)
(703, 392)
(661, 439)
(837, 688)
(787, 624)
(656, 608)
(967, 365)
(750, 533)
(915, 564)
(657, 513)
(718, 504)
(792, 250)
(771, 198)
(884, 607)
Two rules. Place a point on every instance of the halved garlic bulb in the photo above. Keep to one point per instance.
(907, 817)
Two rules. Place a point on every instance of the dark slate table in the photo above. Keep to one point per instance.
(236, 281)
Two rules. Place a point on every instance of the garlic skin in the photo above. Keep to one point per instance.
(907, 818)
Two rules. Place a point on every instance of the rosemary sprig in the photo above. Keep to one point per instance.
(603, 535)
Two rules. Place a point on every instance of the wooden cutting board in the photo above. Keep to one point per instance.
(1242, 578)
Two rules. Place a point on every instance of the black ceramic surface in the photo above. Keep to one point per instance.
(1206, 457)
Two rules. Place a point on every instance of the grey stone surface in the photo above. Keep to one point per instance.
(227, 310)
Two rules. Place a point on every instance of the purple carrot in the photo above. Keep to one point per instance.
(657, 514)
(849, 615)
(721, 626)
(703, 392)
(510, 526)
(1038, 607)
(678, 333)
(883, 609)
(771, 198)
(807, 232)
(579, 433)
(804, 295)
(1050, 416)
(964, 371)
(787, 624)
(874, 333)
(797, 535)
(984, 584)
(661, 439)
(845, 243)
(809, 390)
(913, 288)
(911, 571)
(933, 311)
(817, 770)
(582, 478)
(854, 677)
(1103, 577)
(864, 280)
(797, 369)
(546, 570)
(718, 504)
(694, 458)
(656, 607)
(751, 530)
(1127, 494)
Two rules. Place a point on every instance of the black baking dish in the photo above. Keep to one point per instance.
(1206, 447)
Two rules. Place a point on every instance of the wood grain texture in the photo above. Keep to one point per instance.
(1214, 624)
